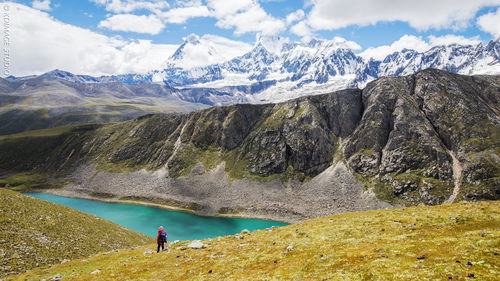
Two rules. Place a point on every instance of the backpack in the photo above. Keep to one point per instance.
(164, 236)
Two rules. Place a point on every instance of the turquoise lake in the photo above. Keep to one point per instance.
(144, 219)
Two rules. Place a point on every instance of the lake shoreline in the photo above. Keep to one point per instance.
(213, 193)
(82, 195)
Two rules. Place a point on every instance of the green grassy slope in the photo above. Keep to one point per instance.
(32, 160)
(50, 132)
(15, 120)
(34, 232)
(417, 243)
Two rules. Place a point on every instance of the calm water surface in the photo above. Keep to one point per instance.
(144, 219)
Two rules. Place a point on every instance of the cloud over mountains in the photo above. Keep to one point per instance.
(95, 52)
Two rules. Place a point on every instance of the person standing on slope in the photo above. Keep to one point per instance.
(161, 239)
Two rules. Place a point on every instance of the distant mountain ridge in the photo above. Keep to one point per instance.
(276, 69)
(430, 137)
(320, 66)
(57, 73)
(60, 98)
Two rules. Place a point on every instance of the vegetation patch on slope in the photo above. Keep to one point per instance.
(34, 233)
(417, 188)
(447, 242)
(41, 133)
(26, 182)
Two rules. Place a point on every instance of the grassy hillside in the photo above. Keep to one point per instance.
(30, 152)
(34, 232)
(50, 132)
(447, 242)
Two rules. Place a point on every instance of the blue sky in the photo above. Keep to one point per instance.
(128, 28)
(89, 14)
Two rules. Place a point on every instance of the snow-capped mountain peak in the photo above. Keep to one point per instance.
(198, 51)
(68, 76)
(276, 69)
(194, 52)
(189, 41)
(61, 74)
(342, 43)
(192, 39)
(272, 43)
(222, 71)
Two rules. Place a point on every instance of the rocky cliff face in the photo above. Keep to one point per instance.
(425, 138)
(433, 130)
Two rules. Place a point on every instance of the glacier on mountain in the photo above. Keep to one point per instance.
(293, 69)
(276, 69)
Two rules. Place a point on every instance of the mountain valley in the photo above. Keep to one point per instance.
(422, 138)
(274, 70)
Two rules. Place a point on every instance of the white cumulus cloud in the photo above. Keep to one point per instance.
(490, 23)
(422, 14)
(232, 48)
(41, 5)
(452, 39)
(222, 8)
(244, 16)
(302, 29)
(341, 42)
(133, 23)
(416, 43)
(295, 16)
(182, 14)
(127, 6)
(405, 42)
(74, 49)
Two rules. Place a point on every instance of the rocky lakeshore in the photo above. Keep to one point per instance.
(241, 198)
(426, 138)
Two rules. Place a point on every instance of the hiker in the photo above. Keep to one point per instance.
(161, 239)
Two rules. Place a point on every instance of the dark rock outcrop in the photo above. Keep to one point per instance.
(423, 138)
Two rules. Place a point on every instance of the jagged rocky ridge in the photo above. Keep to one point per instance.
(293, 69)
(277, 70)
(425, 138)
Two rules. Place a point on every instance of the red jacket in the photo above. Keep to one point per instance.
(159, 238)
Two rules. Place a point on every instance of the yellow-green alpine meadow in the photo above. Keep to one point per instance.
(35, 233)
(250, 140)
(459, 241)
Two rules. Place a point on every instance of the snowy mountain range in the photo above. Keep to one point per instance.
(279, 70)
(198, 51)
(276, 69)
